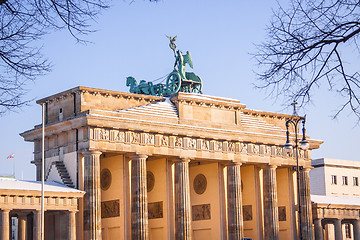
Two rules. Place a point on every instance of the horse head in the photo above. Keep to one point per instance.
(130, 81)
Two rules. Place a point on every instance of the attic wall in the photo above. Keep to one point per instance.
(62, 108)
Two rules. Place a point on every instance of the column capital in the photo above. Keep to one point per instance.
(22, 214)
(91, 152)
(6, 210)
(269, 166)
(182, 159)
(234, 163)
(137, 156)
(73, 210)
(306, 169)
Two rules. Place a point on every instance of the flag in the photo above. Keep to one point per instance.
(10, 156)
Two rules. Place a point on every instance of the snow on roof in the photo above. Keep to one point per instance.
(192, 126)
(250, 121)
(335, 200)
(159, 109)
(169, 110)
(8, 183)
(210, 98)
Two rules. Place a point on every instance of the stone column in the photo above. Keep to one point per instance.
(72, 225)
(139, 209)
(38, 169)
(182, 200)
(92, 198)
(22, 226)
(338, 229)
(306, 209)
(271, 212)
(235, 216)
(356, 227)
(5, 224)
(319, 232)
(37, 225)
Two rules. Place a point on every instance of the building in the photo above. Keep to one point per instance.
(20, 210)
(335, 195)
(186, 166)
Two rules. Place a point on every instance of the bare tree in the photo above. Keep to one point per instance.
(22, 23)
(308, 46)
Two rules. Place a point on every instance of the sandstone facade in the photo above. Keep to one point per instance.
(186, 167)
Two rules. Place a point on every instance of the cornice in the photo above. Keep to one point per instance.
(206, 101)
(94, 91)
(257, 113)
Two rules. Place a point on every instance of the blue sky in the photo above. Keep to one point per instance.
(131, 41)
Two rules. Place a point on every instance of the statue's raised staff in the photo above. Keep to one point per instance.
(177, 81)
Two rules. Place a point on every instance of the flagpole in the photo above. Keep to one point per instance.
(42, 171)
(14, 167)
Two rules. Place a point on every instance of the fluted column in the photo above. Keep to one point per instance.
(5, 224)
(182, 200)
(319, 232)
(37, 225)
(338, 229)
(92, 198)
(271, 212)
(22, 226)
(235, 216)
(305, 204)
(72, 225)
(139, 209)
(356, 227)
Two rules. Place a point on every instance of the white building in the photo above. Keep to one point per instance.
(333, 177)
(335, 194)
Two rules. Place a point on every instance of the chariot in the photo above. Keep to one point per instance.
(181, 81)
(177, 81)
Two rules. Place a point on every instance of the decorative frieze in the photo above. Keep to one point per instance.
(186, 142)
(149, 139)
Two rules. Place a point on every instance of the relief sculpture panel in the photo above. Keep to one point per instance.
(282, 213)
(155, 210)
(201, 212)
(247, 212)
(110, 209)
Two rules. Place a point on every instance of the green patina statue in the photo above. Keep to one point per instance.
(177, 81)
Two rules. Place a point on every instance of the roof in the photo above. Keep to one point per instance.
(159, 109)
(13, 184)
(335, 200)
(334, 162)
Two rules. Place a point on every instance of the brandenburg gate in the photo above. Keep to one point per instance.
(186, 166)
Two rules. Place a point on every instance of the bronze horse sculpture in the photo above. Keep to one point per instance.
(144, 87)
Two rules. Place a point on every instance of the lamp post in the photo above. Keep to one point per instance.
(304, 144)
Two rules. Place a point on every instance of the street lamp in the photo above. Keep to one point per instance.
(304, 144)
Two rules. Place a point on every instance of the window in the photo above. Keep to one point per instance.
(345, 180)
(355, 181)
(347, 230)
(333, 179)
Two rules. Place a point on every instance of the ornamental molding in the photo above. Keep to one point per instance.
(190, 143)
(105, 93)
(341, 212)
